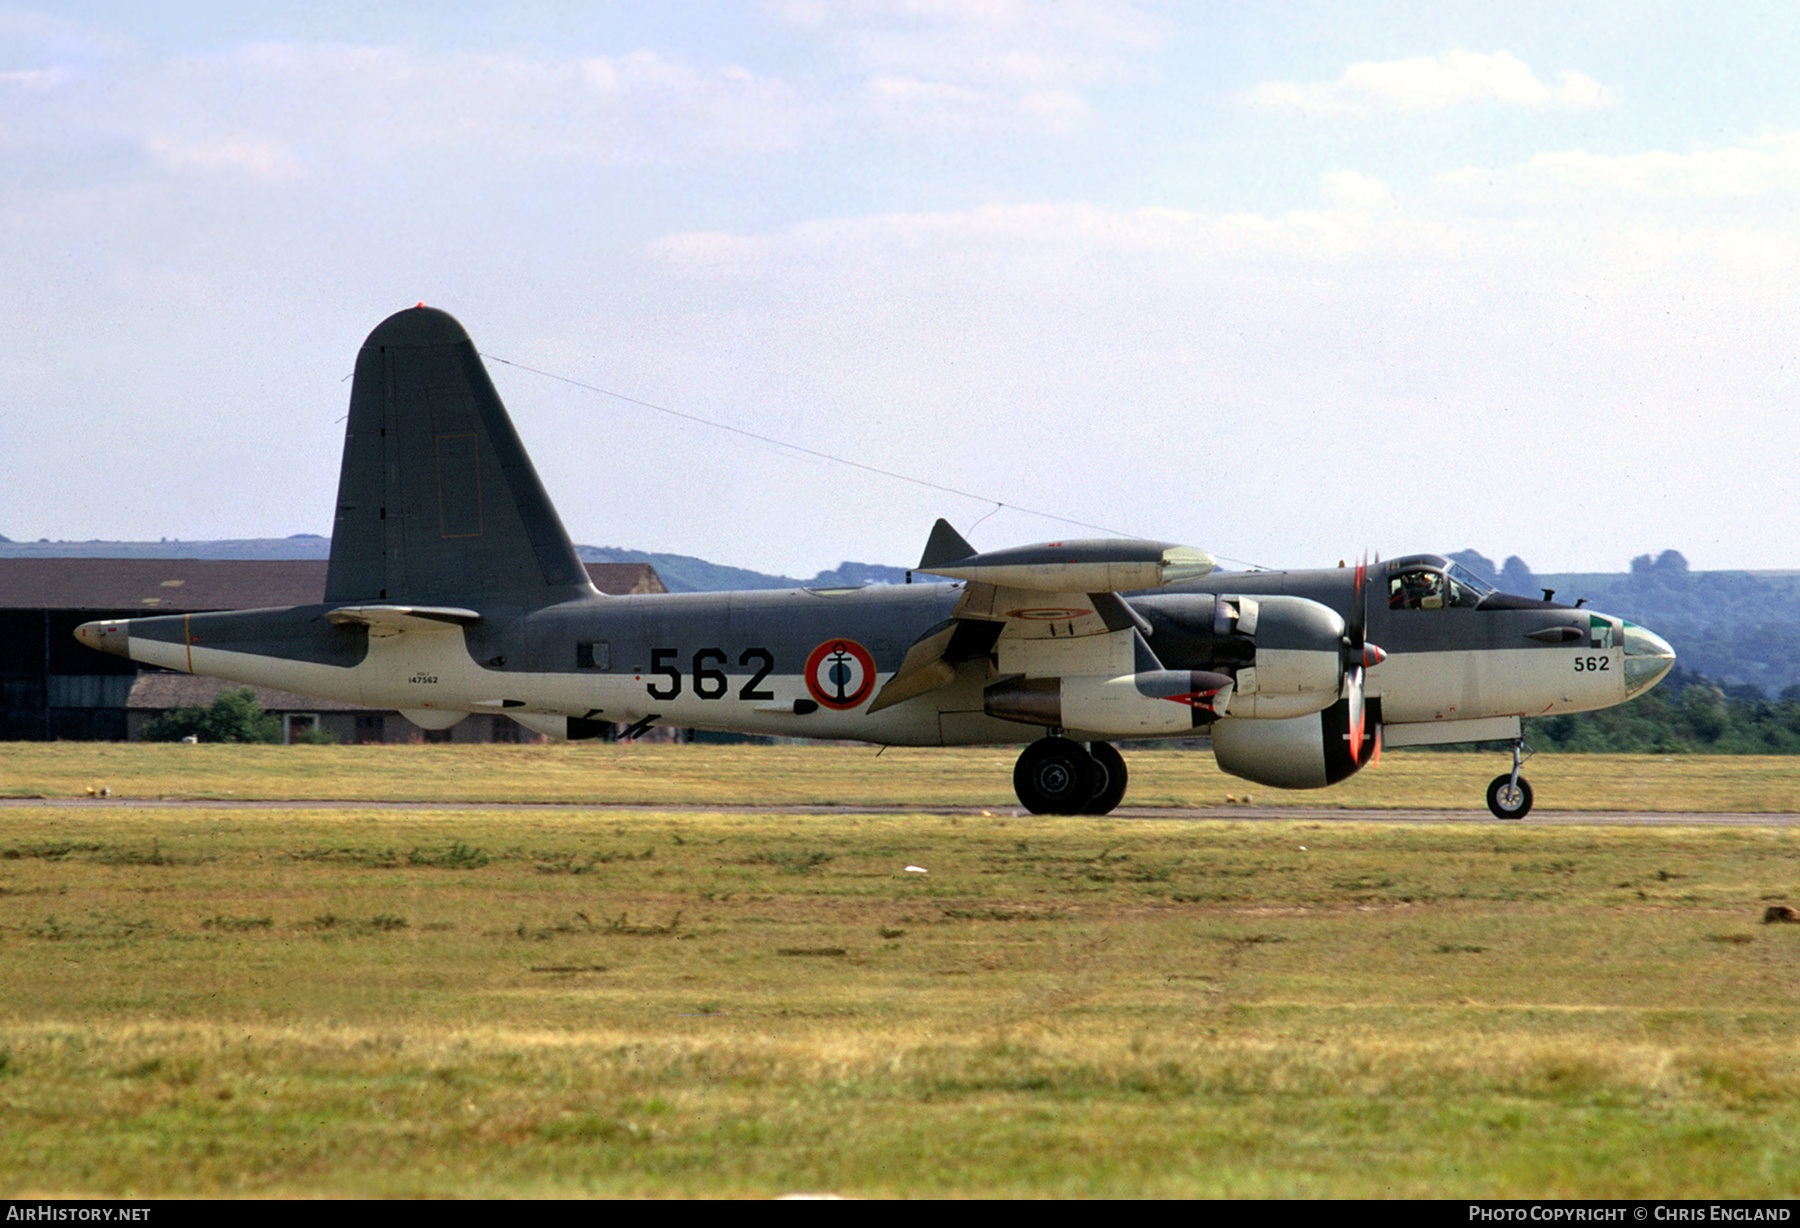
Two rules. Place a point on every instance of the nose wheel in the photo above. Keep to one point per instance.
(1509, 794)
(1509, 798)
(1059, 775)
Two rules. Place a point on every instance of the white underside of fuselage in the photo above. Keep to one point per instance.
(428, 673)
(431, 676)
(1473, 685)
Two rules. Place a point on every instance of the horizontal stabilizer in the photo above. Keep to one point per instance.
(396, 618)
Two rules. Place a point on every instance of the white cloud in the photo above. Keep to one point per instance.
(1766, 170)
(273, 108)
(33, 78)
(1358, 221)
(1454, 79)
(1352, 189)
(962, 65)
(257, 157)
(909, 104)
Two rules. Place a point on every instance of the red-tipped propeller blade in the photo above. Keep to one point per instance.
(1360, 656)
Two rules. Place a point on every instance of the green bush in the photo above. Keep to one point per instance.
(235, 716)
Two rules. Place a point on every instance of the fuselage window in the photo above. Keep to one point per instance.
(593, 654)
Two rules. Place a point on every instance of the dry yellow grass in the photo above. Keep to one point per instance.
(723, 775)
(336, 998)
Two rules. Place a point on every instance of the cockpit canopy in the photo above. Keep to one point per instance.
(1431, 582)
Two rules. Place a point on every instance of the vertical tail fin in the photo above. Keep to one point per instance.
(437, 500)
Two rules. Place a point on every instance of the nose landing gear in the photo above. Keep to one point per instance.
(1509, 794)
(1057, 775)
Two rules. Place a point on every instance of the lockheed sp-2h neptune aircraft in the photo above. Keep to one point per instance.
(453, 588)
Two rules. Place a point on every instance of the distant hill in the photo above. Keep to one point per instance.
(684, 574)
(299, 546)
(680, 573)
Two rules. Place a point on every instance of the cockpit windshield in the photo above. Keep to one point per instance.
(1476, 588)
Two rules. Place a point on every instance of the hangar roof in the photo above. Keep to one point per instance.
(170, 585)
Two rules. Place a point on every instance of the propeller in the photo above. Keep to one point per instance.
(1359, 657)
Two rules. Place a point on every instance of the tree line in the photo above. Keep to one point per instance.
(1686, 713)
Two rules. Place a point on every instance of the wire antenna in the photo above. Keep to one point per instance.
(813, 452)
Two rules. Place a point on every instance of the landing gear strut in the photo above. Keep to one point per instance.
(1110, 779)
(1057, 775)
(1509, 794)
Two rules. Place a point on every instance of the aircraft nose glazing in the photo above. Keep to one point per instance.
(1648, 657)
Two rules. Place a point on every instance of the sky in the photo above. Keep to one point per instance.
(1290, 282)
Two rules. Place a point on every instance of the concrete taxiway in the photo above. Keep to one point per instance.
(1283, 814)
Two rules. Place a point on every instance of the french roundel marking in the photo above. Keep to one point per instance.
(1049, 613)
(840, 674)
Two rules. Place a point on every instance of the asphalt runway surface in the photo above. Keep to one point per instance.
(1286, 814)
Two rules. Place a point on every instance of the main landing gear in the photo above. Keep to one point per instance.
(1058, 775)
(1509, 794)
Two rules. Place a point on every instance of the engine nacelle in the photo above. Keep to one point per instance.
(1303, 752)
(1285, 653)
(1155, 703)
(1299, 662)
(1251, 658)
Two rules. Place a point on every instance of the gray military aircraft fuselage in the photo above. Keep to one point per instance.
(453, 588)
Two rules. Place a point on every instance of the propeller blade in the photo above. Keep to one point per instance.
(1359, 657)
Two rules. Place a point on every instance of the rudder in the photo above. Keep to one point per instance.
(437, 500)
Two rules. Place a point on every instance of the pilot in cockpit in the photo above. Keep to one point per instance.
(1416, 590)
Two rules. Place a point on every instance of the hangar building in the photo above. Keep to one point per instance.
(52, 688)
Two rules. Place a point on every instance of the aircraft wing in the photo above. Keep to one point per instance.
(1040, 611)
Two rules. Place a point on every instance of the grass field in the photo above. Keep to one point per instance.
(729, 775)
(337, 999)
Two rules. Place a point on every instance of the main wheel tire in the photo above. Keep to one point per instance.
(1110, 778)
(1054, 776)
(1507, 802)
